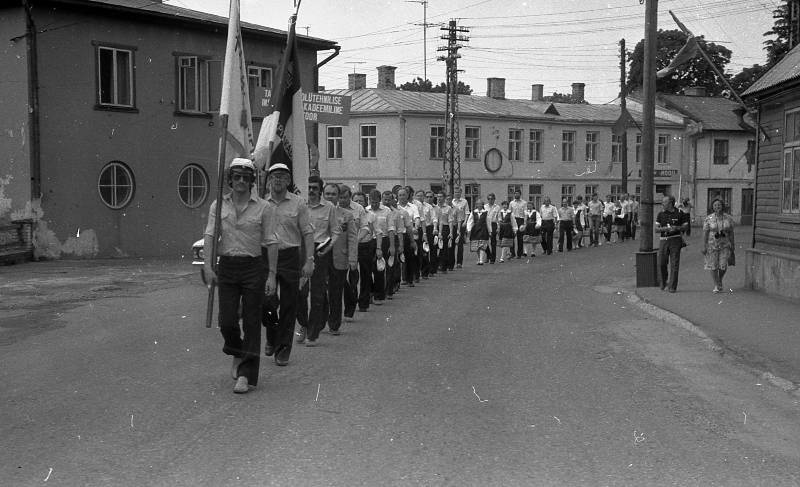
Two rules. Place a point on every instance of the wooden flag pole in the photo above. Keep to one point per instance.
(212, 284)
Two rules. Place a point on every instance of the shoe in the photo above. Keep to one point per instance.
(410, 284)
(378, 302)
(501, 261)
(491, 262)
(235, 367)
(282, 358)
(300, 335)
(311, 343)
(389, 296)
(334, 333)
(417, 279)
(672, 290)
(269, 350)
(480, 263)
(363, 310)
(242, 386)
(663, 287)
(458, 266)
(349, 319)
(716, 290)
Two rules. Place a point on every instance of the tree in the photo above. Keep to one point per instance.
(747, 77)
(696, 72)
(564, 98)
(425, 85)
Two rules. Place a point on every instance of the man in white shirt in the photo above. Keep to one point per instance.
(493, 220)
(608, 218)
(517, 207)
(549, 218)
(409, 242)
(596, 208)
(461, 207)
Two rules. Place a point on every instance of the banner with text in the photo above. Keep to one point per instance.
(328, 109)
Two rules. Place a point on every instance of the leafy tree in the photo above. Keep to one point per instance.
(425, 85)
(564, 98)
(747, 77)
(696, 72)
(781, 29)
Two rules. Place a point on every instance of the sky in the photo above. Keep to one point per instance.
(554, 43)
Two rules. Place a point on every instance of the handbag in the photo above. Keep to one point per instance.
(732, 258)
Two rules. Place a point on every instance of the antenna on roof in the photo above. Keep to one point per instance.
(354, 64)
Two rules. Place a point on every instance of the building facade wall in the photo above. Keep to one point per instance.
(155, 141)
(15, 155)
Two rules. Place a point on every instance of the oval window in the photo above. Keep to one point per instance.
(192, 186)
(116, 185)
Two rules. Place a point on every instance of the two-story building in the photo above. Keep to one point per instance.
(557, 150)
(110, 128)
(772, 264)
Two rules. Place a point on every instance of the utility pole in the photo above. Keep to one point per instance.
(623, 109)
(451, 165)
(424, 25)
(646, 258)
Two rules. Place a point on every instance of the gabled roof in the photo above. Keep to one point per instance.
(157, 9)
(786, 69)
(381, 101)
(714, 112)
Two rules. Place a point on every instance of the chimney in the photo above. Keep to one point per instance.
(537, 92)
(356, 81)
(386, 77)
(496, 88)
(695, 91)
(577, 92)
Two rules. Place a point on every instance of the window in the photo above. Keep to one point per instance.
(199, 84)
(192, 186)
(437, 142)
(638, 147)
(513, 188)
(535, 146)
(724, 193)
(663, 149)
(588, 191)
(591, 146)
(790, 195)
(114, 77)
(663, 189)
(638, 192)
(791, 132)
(472, 143)
(259, 80)
(616, 148)
(366, 188)
(567, 192)
(116, 185)
(568, 146)
(616, 192)
(188, 84)
(471, 193)
(514, 145)
(369, 141)
(720, 151)
(334, 142)
(535, 195)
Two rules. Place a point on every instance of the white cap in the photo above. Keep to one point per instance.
(279, 167)
(242, 163)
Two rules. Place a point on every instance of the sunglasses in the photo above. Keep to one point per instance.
(241, 177)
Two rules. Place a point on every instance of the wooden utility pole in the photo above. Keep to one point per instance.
(623, 110)
(646, 258)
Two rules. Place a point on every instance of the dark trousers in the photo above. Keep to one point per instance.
(430, 260)
(379, 278)
(493, 243)
(280, 330)
(366, 263)
(314, 318)
(594, 229)
(518, 243)
(241, 279)
(444, 253)
(608, 223)
(564, 230)
(669, 258)
(634, 220)
(421, 258)
(337, 280)
(461, 231)
(394, 274)
(411, 269)
(548, 227)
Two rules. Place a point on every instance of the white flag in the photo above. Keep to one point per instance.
(235, 94)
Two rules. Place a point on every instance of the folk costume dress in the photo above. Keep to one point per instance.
(507, 227)
(719, 243)
(478, 229)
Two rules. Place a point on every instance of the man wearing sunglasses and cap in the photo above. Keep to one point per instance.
(246, 228)
(293, 232)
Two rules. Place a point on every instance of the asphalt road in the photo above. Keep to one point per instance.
(538, 373)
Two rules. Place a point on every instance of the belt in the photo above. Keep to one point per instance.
(238, 258)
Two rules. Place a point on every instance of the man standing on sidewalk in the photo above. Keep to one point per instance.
(493, 220)
(517, 207)
(384, 242)
(549, 218)
(445, 214)
(323, 219)
(595, 220)
(670, 224)
(344, 258)
(362, 227)
(566, 217)
(293, 231)
(460, 212)
(409, 238)
(246, 227)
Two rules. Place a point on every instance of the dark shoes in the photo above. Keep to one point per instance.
(282, 358)
(269, 350)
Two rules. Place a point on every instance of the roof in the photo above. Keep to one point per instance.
(158, 9)
(714, 112)
(382, 101)
(786, 69)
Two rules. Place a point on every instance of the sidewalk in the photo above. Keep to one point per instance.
(759, 329)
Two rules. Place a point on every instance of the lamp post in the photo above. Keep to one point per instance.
(646, 257)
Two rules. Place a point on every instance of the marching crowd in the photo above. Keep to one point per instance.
(315, 261)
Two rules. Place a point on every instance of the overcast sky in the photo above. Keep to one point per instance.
(554, 43)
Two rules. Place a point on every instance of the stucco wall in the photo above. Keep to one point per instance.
(773, 272)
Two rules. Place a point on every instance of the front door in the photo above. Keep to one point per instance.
(747, 206)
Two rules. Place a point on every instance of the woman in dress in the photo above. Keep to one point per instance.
(718, 243)
(478, 230)
(507, 229)
(532, 229)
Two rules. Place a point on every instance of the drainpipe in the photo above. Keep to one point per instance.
(755, 176)
(405, 149)
(325, 61)
(33, 101)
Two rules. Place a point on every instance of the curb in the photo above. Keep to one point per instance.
(643, 304)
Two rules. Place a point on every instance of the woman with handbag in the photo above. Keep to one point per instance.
(718, 243)
(508, 228)
(531, 229)
(478, 230)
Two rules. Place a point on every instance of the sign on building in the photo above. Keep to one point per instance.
(328, 109)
